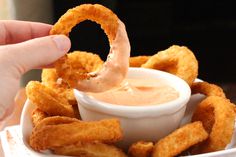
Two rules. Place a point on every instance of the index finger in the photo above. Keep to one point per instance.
(18, 31)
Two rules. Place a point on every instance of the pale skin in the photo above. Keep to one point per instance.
(25, 46)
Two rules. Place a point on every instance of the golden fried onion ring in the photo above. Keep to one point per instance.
(81, 62)
(140, 149)
(138, 61)
(178, 60)
(180, 140)
(84, 62)
(217, 115)
(89, 149)
(60, 131)
(207, 89)
(37, 116)
(116, 66)
(50, 79)
(47, 100)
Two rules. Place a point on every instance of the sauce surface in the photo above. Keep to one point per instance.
(139, 92)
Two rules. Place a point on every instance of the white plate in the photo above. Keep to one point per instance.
(26, 129)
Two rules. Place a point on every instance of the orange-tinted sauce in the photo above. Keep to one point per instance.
(139, 92)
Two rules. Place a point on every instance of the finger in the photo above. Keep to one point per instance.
(19, 31)
(34, 53)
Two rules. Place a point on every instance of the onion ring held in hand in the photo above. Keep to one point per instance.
(47, 100)
(180, 140)
(89, 149)
(177, 60)
(115, 68)
(207, 89)
(61, 131)
(217, 116)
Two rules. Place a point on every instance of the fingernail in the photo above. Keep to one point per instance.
(62, 42)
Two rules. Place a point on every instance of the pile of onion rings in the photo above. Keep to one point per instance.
(56, 120)
(215, 113)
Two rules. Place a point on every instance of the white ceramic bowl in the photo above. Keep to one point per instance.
(27, 126)
(140, 122)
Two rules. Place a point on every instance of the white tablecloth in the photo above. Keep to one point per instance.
(12, 143)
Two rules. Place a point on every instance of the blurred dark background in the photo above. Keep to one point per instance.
(207, 28)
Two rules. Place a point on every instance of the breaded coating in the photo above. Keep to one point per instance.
(138, 61)
(38, 115)
(207, 89)
(94, 12)
(90, 149)
(180, 140)
(177, 60)
(50, 78)
(61, 131)
(80, 63)
(47, 100)
(86, 61)
(217, 116)
(141, 149)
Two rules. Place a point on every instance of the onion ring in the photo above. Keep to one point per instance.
(37, 116)
(81, 62)
(177, 60)
(138, 61)
(47, 100)
(217, 115)
(115, 68)
(84, 62)
(180, 140)
(207, 89)
(141, 149)
(60, 131)
(89, 149)
(50, 79)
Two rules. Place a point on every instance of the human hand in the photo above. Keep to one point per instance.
(25, 46)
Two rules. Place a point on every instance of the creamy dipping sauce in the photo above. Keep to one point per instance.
(139, 92)
(114, 69)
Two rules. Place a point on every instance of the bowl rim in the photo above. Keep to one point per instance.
(139, 111)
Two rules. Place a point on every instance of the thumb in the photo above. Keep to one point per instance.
(37, 52)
